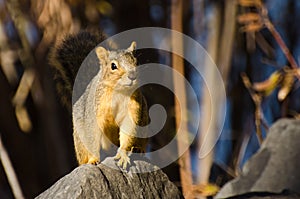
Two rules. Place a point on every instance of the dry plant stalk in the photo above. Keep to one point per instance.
(253, 22)
(284, 79)
(20, 98)
(7, 60)
(26, 57)
(257, 98)
(10, 173)
(178, 64)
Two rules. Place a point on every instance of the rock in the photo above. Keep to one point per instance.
(274, 168)
(267, 196)
(102, 181)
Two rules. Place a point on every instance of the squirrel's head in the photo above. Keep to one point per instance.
(118, 68)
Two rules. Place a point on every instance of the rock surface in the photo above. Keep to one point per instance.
(102, 181)
(274, 168)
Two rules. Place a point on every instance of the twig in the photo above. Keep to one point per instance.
(281, 43)
(227, 169)
(257, 98)
(254, 22)
(10, 173)
(264, 122)
(269, 25)
(257, 101)
(240, 152)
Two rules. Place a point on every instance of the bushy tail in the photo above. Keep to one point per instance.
(66, 59)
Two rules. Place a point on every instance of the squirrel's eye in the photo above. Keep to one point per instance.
(114, 66)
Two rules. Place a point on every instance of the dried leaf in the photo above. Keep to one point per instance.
(287, 84)
(248, 18)
(267, 87)
(23, 118)
(253, 27)
(205, 189)
(296, 72)
(295, 114)
(105, 8)
(250, 3)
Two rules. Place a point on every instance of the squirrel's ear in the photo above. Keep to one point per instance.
(101, 53)
(132, 46)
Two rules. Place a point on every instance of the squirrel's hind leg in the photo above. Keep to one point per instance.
(82, 154)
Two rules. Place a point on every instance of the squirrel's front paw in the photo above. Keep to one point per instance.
(123, 157)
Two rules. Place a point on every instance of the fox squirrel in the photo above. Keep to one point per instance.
(106, 113)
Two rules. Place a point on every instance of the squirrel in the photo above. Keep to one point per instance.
(106, 113)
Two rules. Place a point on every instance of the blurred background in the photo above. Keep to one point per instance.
(245, 38)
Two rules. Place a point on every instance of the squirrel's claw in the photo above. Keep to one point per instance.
(123, 157)
(93, 161)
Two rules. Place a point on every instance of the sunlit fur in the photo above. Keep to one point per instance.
(110, 103)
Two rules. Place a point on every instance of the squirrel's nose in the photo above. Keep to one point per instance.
(132, 75)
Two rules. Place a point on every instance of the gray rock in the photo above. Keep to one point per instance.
(89, 181)
(274, 168)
